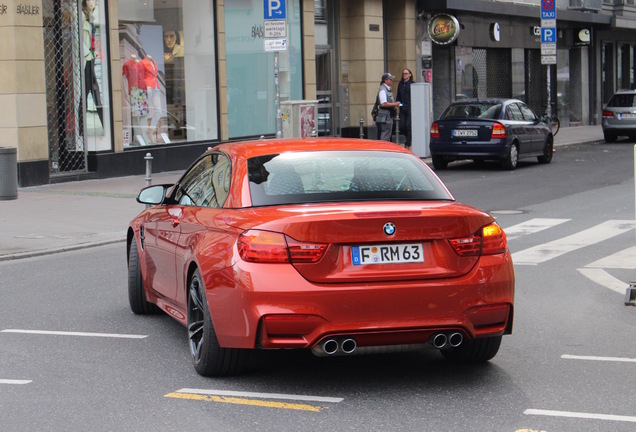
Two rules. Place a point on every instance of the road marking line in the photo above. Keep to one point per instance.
(571, 414)
(221, 396)
(261, 395)
(605, 279)
(62, 333)
(594, 358)
(532, 226)
(17, 382)
(547, 251)
(625, 259)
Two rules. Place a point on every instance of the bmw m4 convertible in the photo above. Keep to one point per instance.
(334, 245)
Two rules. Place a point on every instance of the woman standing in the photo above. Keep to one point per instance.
(404, 97)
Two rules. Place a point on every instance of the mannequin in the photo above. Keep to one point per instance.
(154, 95)
(88, 41)
(134, 82)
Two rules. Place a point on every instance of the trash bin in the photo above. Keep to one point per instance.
(8, 173)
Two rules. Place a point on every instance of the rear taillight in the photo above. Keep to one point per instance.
(608, 114)
(489, 240)
(434, 130)
(270, 247)
(498, 131)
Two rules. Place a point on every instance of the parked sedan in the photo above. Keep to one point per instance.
(337, 246)
(619, 116)
(490, 129)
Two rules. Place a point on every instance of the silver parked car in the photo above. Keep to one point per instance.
(619, 116)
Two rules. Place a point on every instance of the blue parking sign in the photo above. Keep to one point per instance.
(548, 35)
(274, 9)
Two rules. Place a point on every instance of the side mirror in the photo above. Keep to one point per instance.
(153, 195)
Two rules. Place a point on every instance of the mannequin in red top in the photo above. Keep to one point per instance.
(154, 96)
(134, 82)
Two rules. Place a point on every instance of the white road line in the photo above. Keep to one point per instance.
(571, 414)
(261, 395)
(547, 251)
(625, 259)
(532, 226)
(13, 381)
(605, 279)
(594, 358)
(61, 333)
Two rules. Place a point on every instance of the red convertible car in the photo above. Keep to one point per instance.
(340, 246)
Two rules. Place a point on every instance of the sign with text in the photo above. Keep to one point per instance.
(548, 35)
(548, 9)
(275, 44)
(275, 28)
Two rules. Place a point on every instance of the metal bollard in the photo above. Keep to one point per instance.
(361, 128)
(148, 160)
(397, 129)
(314, 133)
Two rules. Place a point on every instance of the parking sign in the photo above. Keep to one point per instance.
(274, 9)
(548, 9)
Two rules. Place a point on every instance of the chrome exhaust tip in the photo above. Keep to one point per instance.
(439, 340)
(456, 339)
(348, 346)
(330, 346)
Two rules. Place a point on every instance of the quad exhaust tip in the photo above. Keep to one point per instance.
(332, 346)
(447, 340)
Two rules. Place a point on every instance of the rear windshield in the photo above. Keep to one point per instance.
(622, 101)
(328, 176)
(482, 110)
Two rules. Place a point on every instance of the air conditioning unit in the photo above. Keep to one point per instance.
(586, 5)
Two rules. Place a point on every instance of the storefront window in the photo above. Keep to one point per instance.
(96, 116)
(250, 69)
(168, 60)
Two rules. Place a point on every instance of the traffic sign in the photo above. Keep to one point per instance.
(548, 59)
(275, 44)
(275, 28)
(548, 35)
(548, 49)
(274, 10)
(548, 9)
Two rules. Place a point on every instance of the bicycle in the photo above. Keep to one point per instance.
(552, 121)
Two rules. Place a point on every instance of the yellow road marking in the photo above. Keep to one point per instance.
(243, 401)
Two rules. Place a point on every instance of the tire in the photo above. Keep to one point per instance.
(548, 150)
(208, 358)
(473, 351)
(610, 137)
(439, 163)
(136, 292)
(512, 160)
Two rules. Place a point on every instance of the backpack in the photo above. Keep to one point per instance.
(376, 107)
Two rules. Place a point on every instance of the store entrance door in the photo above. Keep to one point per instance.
(63, 65)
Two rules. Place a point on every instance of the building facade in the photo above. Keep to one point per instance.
(91, 86)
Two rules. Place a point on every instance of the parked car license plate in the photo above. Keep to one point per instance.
(387, 253)
(627, 116)
(465, 132)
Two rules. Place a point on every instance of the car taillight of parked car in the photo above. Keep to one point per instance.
(489, 240)
(498, 131)
(270, 247)
(608, 114)
(434, 130)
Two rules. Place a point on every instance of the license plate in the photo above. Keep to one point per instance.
(387, 254)
(626, 116)
(464, 132)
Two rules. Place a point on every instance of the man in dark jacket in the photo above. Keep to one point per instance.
(404, 97)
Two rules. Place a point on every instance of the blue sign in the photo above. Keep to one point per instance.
(548, 35)
(548, 9)
(274, 10)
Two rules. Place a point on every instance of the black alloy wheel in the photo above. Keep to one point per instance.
(208, 358)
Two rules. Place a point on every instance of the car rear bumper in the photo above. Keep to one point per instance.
(283, 310)
(495, 149)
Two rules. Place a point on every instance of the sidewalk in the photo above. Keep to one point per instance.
(68, 216)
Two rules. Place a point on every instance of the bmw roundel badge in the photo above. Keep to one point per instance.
(389, 228)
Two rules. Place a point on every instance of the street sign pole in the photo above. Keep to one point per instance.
(548, 17)
(279, 114)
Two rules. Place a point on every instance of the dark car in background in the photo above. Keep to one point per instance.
(505, 130)
(619, 116)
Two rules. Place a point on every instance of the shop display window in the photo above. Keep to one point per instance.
(168, 59)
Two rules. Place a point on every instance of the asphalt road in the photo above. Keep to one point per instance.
(75, 358)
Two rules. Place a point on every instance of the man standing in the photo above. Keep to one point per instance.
(388, 106)
(404, 97)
